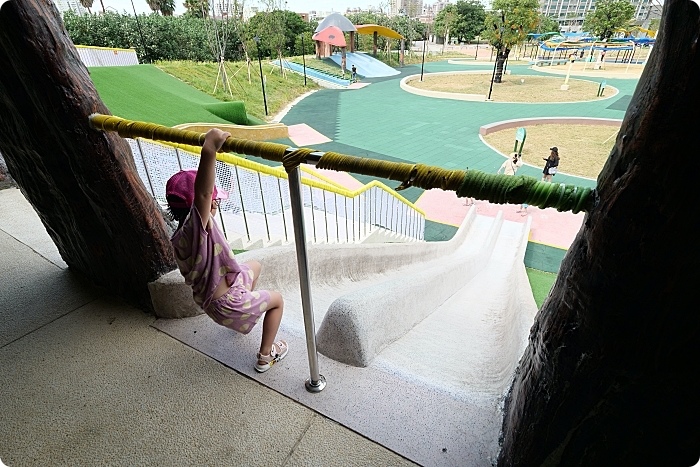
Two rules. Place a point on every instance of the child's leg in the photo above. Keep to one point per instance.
(271, 322)
(256, 267)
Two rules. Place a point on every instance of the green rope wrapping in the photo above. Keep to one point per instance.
(519, 189)
(500, 189)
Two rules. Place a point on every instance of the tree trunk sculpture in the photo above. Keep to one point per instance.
(611, 373)
(81, 182)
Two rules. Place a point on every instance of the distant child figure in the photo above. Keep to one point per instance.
(510, 166)
(353, 75)
(469, 201)
(223, 288)
(551, 164)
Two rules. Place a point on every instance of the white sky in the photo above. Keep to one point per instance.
(300, 6)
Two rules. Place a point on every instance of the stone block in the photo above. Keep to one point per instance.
(171, 297)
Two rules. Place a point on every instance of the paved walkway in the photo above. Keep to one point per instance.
(86, 380)
(382, 121)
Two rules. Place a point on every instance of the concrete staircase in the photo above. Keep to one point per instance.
(255, 231)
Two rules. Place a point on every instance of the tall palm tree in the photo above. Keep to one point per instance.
(87, 4)
(154, 4)
(167, 7)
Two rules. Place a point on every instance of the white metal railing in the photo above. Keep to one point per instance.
(259, 204)
(104, 56)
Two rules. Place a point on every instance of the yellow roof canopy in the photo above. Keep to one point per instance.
(381, 30)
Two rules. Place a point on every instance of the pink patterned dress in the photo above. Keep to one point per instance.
(205, 259)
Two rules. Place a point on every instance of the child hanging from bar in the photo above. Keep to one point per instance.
(223, 288)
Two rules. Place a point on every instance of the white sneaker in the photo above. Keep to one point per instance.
(278, 352)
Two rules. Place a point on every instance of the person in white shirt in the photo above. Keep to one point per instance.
(510, 166)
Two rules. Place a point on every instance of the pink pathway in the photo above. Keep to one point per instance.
(343, 178)
(548, 226)
(303, 135)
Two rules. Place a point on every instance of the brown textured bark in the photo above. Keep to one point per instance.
(81, 182)
(610, 376)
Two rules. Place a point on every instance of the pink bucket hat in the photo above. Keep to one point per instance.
(179, 190)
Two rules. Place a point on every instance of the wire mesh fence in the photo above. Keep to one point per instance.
(259, 204)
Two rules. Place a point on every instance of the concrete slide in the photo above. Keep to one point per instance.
(367, 66)
(419, 341)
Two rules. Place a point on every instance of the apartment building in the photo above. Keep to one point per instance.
(70, 5)
(570, 13)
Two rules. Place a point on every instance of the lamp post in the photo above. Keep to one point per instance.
(495, 62)
(303, 57)
(262, 80)
(143, 42)
(493, 76)
(422, 65)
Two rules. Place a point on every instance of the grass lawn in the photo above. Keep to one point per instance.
(583, 148)
(541, 283)
(171, 93)
(143, 92)
(280, 89)
(513, 88)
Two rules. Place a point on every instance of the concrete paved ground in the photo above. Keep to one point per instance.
(86, 380)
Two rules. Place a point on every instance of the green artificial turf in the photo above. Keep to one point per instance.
(145, 93)
(541, 283)
(233, 112)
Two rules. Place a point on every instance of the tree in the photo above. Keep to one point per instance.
(82, 183)
(546, 24)
(507, 25)
(154, 5)
(166, 7)
(197, 8)
(471, 19)
(87, 4)
(607, 17)
(610, 373)
(278, 31)
(445, 21)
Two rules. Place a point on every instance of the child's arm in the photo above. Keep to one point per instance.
(206, 173)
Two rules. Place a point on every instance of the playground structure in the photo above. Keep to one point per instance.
(560, 50)
(330, 33)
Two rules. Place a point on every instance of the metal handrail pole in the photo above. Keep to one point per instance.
(413, 219)
(388, 211)
(345, 208)
(148, 175)
(337, 227)
(240, 196)
(179, 162)
(364, 217)
(325, 216)
(316, 381)
(313, 215)
(404, 217)
(284, 219)
(353, 220)
(376, 211)
(221, 215)
(262, 200)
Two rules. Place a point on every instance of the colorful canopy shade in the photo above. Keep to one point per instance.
(338, 20)
(381, 30)
(332, 35)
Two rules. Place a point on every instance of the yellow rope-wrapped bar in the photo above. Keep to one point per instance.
(498, 189)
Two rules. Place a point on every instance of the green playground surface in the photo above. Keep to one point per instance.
(380, 121)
